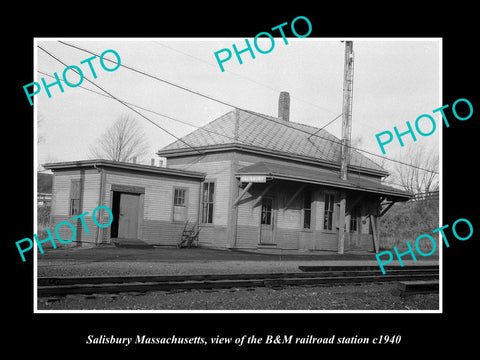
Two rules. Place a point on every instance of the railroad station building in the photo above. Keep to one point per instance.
(248, 180)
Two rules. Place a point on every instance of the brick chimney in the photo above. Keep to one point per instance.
(284, 106)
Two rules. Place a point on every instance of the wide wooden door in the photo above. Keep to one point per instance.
(128, 216)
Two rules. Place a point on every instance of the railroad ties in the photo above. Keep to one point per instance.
(310, 276)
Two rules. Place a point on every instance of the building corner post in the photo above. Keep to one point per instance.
(341, 223)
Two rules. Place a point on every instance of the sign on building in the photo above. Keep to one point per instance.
(253, 178)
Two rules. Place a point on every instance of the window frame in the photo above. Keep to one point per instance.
(75, 183)
(355, 219)
(331, 218)
(267, 212)
(185, 203)
(210, 203)
(307, 209)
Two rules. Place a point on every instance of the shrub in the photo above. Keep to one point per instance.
(43, 216)
(408, 220)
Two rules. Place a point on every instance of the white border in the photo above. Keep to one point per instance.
(439, 311)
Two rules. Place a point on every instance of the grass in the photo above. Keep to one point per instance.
(407, 221)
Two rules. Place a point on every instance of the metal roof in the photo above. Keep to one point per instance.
(249, 130)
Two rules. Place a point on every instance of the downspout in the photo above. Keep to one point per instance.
(199, 209)
(100, 200)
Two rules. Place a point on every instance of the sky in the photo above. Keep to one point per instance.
(395, 80)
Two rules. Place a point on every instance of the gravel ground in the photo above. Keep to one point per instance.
(157, 268)
(184, 268)
(345, 297)
(119, 261)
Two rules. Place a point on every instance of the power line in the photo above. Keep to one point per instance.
(392, 182)
(190, 90)
(324, 126)
(184, 88)
(202, 128)
(283, 123)
(153, 76)
(259, 83)
(148, 110)
(243, 77)
(123, 103)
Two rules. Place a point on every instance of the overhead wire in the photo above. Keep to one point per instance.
(242, 77)
(283, 123)
(201, 128)
(148, 110)
(324, 126)
(123, 103)
(261, 84)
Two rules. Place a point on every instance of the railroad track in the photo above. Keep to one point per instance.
(311, 276)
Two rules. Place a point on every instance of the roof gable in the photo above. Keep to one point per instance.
(240, 127)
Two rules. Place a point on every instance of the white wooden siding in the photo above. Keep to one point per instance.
(90, 192)
(218, 171)
(158, 203)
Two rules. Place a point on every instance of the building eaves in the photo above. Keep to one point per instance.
(322, 177)
(173, 153)
(122, 165)
(253, 131)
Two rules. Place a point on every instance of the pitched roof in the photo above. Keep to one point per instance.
(321, 176)
(261, 132)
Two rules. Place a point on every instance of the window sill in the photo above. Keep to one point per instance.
(329, 231)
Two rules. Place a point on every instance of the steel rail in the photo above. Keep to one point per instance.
(58, 286)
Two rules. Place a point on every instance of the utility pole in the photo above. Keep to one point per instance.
(346, 137)
(347, 109)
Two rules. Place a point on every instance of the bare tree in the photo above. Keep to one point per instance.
(415, 178)
(122, 141)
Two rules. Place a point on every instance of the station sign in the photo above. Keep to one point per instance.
(253, 178)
